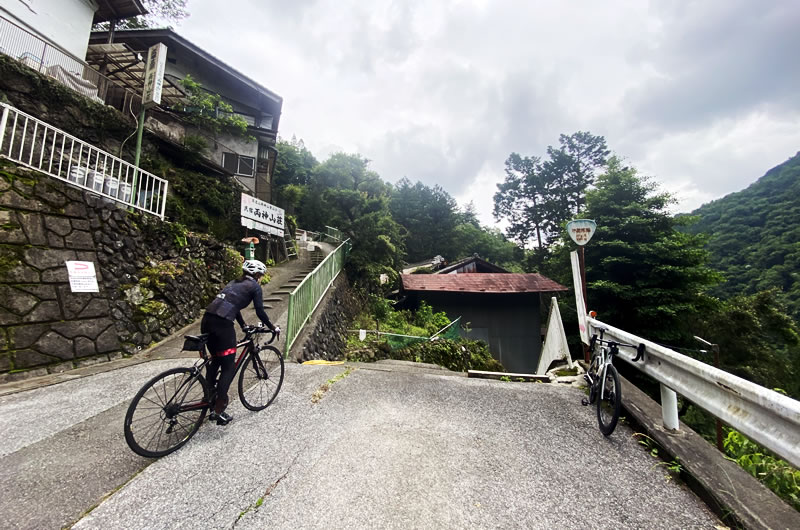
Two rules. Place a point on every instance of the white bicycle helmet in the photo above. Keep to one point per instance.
(253, 266)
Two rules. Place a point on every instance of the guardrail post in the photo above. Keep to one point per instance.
(669, 408)
(3, 122)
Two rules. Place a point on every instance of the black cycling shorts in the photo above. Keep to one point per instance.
(223, 335)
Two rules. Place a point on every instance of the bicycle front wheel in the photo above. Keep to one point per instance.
(166, 412)
(261, 378)
(609, 403)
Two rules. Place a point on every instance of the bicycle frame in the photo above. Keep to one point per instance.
(247, 346)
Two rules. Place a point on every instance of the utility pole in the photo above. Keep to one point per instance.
(715, 349)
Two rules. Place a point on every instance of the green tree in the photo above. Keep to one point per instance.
(538, 196)
(429, 215)
(293, 169)
(643, 275)
(160, 13)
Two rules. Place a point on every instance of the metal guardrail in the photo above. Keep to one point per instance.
(765, 416)
(305, 298)
(73, 72)
(35, 144)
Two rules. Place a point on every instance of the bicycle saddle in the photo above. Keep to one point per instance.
(195, 342)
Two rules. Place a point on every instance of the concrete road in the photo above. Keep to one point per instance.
(384, 447)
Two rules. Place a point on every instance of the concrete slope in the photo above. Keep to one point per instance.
(376, 448)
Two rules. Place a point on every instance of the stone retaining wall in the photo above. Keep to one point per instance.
(154, 278)
(328, 334)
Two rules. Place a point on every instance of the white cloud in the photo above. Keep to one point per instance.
(702, 96)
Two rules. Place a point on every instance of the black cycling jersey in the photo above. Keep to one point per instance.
(236, 296)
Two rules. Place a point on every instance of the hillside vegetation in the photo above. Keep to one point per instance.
(754, 236)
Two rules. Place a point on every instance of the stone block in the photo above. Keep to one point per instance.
(73, 303)
(90, 361)
(107, 341)
(39, 290)
(75, 209)
(59, 275)
(14, 200)
(8, 318)
(13, 236)
(80, 224)
(84, 347)
(5, 362)
(44, 312)
(59, 225)
(54, 240)
(20, 337)
(45, 258)
(18, 302)
(80, 239)
(29, 358)
(97, 307)
(90, 329)
(3, 340)
(115, 356)
(31, 224)
(51, 343)
(46, 191)
(27, 374)
(60, 367)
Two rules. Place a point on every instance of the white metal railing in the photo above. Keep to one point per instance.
(763, 415)
(71, 71)
(35, 144)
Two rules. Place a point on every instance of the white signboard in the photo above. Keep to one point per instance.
(154, 75)
(263, 216)
(82, 278)
(581, 230)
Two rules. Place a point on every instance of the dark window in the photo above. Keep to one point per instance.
(239, 165)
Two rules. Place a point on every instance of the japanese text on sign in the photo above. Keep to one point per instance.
(154, 75)
(82, 278)
(581, 230)
(262, 215)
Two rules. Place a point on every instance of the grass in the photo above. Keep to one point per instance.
(320, 392)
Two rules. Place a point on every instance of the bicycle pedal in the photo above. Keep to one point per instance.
(585, 402)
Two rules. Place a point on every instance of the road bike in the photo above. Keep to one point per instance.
(169, 409)
(603, 380)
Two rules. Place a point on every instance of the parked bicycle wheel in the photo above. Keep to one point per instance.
(261, 378)
(610, 403)
(166, 412)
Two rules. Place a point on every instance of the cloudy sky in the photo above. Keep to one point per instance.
(702, 95)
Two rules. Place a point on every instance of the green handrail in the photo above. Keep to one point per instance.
(305, 298)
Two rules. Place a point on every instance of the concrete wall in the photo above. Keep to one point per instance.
(66, 23)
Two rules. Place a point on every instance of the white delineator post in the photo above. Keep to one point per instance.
(669, 408)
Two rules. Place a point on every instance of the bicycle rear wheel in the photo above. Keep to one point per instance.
(261, 378)
(166, 412)
(609, 403)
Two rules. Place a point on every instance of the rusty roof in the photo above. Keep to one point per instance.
(486, 282)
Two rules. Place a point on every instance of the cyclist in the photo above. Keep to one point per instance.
(218, 321)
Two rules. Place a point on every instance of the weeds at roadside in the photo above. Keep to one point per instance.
(320, 392)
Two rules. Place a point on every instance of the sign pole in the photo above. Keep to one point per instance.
(581, 231)
(139, 134)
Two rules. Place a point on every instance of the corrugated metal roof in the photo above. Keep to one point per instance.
(486, 282)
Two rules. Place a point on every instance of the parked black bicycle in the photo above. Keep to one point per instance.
(603, 380)
(170, 408)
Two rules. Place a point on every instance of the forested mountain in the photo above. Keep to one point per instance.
(754, 236)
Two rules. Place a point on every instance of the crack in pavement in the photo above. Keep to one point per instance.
(257, 504)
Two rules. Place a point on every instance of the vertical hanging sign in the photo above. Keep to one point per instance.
(154, 75)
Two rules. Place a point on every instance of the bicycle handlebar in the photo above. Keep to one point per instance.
(640, 349)
(249, 331)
